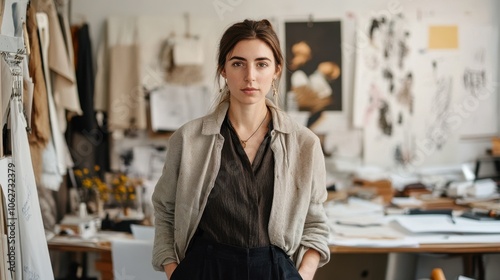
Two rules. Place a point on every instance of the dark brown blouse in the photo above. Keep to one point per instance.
(238, 208)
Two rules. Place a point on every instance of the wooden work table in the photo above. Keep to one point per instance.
(104, 264)
(470, 252)
(461, 248)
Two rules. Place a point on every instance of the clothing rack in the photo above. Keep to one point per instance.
(13, 48)
(14, 60)
(13, 55)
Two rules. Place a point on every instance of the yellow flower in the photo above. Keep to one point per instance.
(78, 173)
(90, 183)
(122, 189)
(87, 183)
(105, 197)
(123, 178)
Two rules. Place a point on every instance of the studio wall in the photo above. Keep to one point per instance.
(209, 18)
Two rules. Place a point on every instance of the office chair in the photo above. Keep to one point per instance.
(141, 232)
(132, 260)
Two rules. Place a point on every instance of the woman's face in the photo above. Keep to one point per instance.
(250, 69)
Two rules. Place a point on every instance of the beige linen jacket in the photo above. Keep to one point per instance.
(298, 219)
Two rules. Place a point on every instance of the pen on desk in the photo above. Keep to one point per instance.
(452, 219)
(357, 225)
(429, 212)
(433, 212)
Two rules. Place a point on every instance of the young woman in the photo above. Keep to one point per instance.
(242, 191)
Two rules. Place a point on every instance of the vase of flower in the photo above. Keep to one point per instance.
(125, 191)
(92, 189)
(100, 206)
(126, 211)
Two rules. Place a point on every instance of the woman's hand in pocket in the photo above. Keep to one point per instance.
(169, 269)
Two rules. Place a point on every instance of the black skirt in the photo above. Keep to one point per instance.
(207, 260)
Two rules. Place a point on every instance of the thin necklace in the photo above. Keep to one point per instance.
(244, 142)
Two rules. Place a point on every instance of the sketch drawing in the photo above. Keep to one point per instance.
(438, 128)
(478, 87)
(384, 94)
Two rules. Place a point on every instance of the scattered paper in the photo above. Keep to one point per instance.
(444, 224)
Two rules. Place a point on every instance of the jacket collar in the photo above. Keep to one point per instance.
(213, 121)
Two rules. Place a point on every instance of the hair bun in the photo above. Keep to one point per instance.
(266, 22)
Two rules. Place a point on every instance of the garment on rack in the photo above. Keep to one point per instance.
(7, 19)
(6, 87)
(84, 78)
(40, 124)
(80, 134)
(51, 176)
(60, 59)
(28, 88)
(57, 139)
(63, 11)
(2, 6)
(127, 108)
(34, 250)
(103, 148)
(101, 86)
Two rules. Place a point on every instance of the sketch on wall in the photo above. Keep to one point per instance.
(420, 87)
(479, 84)
(384, 90)
(440, 103)
(437, 81)
(454, 74)
(313, 79)
(436, 134)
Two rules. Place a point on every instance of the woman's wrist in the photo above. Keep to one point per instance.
(169, 269)
(309, 264)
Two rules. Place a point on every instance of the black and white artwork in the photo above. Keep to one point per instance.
(314, 73)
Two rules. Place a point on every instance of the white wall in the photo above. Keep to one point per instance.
(497, 22)
(218, 14)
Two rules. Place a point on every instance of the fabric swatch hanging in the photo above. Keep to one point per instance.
(182, 60)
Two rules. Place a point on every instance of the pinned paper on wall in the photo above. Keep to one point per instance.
(443, 37)
(172, 106)
(477, 90)
(384, 94)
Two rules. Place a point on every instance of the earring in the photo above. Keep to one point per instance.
(224, 87)
(275, 91)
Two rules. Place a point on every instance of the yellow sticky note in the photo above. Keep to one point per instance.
(443, 37)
